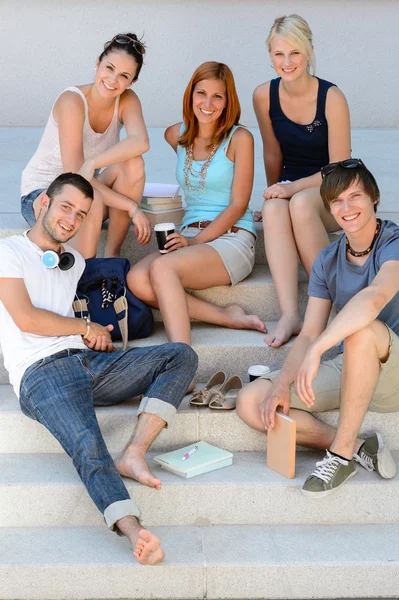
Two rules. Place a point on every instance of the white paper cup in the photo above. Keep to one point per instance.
(256, 371)
(162, 230)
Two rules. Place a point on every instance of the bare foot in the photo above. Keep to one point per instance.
(237, 319)
(257, 216)
(148, 549)
(131, 463)
(285, 328)
(146, 546)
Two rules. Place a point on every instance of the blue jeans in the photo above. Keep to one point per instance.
(27, 206)
(60, 392)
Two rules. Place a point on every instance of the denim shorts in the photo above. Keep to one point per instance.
(27, 206)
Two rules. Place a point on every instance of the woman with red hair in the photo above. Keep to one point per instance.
(216, 242)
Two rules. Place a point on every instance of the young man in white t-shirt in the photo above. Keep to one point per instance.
(61, 366)
(359, 274)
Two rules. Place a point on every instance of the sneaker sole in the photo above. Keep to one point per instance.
(326, 492)
(386, 465)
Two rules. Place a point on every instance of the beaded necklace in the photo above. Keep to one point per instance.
(369, 249)
(199, 174)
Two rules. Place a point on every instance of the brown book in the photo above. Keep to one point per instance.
(165, 216)
(281, 446)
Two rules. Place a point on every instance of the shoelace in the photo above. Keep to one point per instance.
(364, 460)
(326, 468)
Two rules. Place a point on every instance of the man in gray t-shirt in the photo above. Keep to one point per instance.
(359, 275)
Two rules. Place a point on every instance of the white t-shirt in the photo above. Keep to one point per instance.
(50, 289)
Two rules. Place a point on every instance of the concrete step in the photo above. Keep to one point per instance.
(202, 562)
(218, 348)
(44, 490)
(19, 434)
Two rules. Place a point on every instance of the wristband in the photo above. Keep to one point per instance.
(135, 213)
(88, 321)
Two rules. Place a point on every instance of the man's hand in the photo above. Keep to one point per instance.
(279, 395)
(305, 376)
(100, 338)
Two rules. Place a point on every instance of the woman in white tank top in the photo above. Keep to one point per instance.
(82, 135)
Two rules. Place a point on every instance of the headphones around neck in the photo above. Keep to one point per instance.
(51, 259)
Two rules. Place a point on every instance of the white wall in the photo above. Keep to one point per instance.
(46, 45)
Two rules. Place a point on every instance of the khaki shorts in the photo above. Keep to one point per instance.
(237, 251)
(327, 384)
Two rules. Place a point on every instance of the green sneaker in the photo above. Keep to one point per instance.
(375, 455)
(329, 475)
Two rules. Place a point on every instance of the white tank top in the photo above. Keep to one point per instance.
(46, 164)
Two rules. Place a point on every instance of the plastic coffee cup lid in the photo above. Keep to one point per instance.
(258, 370)
(164, 226)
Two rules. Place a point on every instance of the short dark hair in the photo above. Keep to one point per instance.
(70, 179)
(340, 179)
(136, 49)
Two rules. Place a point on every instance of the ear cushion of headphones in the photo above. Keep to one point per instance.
(66, 262)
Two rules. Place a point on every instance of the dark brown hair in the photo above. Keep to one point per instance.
(341, 179)
(135, 49)
(74, 179)
(231, 113)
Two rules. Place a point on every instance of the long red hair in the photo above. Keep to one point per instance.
(231, 113)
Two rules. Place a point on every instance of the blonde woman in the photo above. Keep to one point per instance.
(304, 123)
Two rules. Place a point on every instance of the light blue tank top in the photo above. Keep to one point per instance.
(208, 203)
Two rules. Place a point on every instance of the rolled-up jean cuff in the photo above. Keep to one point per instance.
(118, 510)
(162, 409)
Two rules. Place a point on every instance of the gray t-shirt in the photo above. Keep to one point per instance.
(334, 278)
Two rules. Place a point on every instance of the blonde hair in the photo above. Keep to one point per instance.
(294, 30)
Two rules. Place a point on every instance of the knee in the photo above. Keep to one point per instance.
(362, 339)
(245, 402)
(138, 282)
(302, 208)
(273, 209)
(88, 448)
(159, 269)
(133, 169)
(185, 355)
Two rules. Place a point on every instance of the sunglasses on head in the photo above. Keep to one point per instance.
(126, 39)
(350, 163)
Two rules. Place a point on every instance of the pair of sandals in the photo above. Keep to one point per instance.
(219, 393)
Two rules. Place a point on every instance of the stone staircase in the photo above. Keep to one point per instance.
(240, 532)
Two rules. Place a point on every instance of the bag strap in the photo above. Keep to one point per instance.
(121, 311)
(80, 306)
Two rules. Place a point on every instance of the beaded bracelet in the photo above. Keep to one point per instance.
(88, 322)
(135, 213)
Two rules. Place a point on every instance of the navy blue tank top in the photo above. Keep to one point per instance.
(304, 147)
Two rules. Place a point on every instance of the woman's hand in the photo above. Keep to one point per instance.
(87, 169)
(142, 227)
(279, 190)
(176, 241)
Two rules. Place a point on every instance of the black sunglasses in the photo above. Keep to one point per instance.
(126, 39)
(349, 163)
